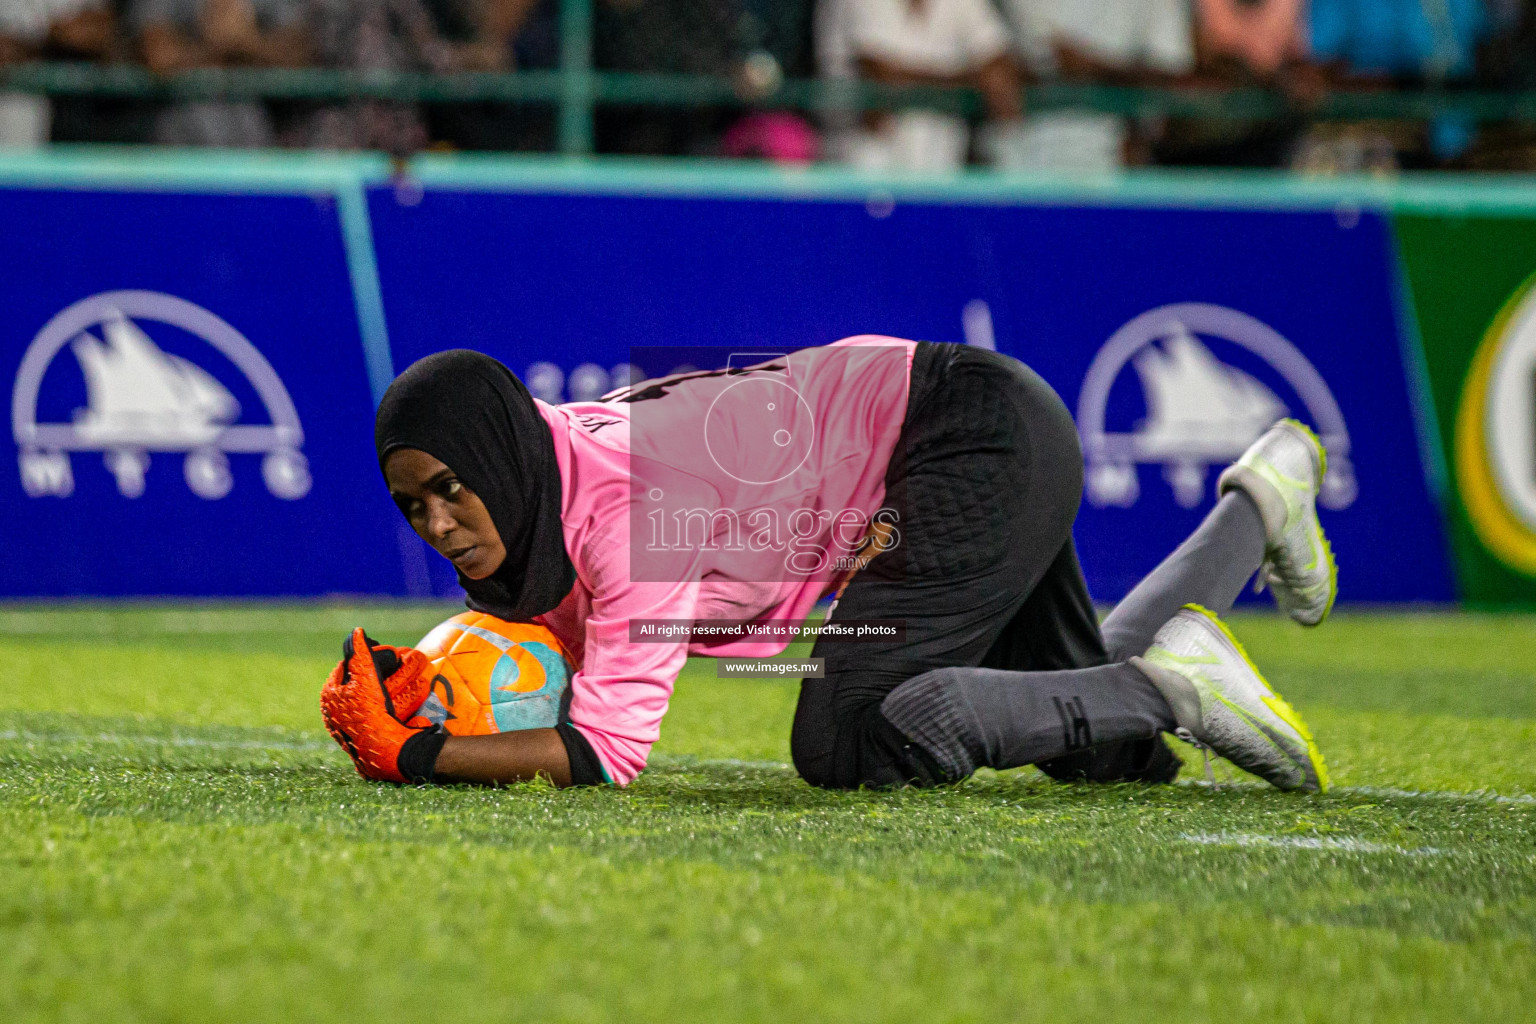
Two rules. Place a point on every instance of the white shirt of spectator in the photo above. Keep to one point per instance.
(28, 21)
(1148, 34)
(936, 37)
(1152, 34)
(24, 120)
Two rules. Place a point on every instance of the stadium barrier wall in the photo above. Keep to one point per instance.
(195, 342)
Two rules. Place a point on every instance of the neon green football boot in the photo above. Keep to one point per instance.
(1282, 472)
(1222, 703)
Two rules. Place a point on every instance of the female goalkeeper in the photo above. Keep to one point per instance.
(932, 486)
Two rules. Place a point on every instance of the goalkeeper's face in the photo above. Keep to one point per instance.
(445, 512)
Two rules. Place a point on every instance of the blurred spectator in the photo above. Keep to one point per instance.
(690, 37)
(1258, 37)
(536, 38)
(179, 35)
(697, 37)
(1110, 42)
(371, 35)
(782, 28)
(1507, 62)
(497, 35)
(1379, 43)
(774, 135)
(1246, 44)
(38, 29)
(1422, 40)
(775, 38)
(917, 42)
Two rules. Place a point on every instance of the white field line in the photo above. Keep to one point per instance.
(1346, 845)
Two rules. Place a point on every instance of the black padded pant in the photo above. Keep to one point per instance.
(987, 477)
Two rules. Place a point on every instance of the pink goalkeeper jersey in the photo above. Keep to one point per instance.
(818, 464)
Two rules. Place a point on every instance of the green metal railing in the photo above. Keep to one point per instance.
(576, 89)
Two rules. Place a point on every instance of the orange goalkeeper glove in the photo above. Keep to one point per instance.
(363, 701)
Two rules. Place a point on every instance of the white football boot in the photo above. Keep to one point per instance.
(1282, 472)
(1223, 704)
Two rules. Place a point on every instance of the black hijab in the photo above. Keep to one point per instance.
(472, 414)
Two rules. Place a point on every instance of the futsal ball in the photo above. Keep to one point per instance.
(493, 676)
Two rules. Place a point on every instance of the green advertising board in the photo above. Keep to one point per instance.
(1472, 283)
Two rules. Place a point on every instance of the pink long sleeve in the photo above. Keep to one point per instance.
(621, 688)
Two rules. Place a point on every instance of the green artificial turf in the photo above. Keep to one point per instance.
(182, 842)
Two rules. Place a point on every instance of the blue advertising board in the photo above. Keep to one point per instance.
(192, 370)
(1175, 335)
(188, 400)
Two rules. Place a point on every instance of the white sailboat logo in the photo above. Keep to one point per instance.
(139, 395)
(1193, 398)
(1200, 411)
(141, 399)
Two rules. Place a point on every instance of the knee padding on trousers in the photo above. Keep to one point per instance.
(866, 749)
